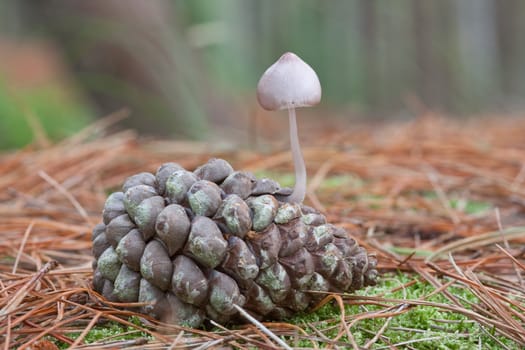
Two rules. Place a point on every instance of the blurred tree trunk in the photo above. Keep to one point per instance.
(508, 33)
(477, 48)
(425, 68)
(368, 39)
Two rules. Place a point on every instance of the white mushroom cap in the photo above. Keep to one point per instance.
(289, 82)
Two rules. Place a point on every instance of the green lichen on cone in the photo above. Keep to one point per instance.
(192, 244)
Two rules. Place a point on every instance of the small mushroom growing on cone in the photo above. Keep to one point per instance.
(214, 242)
(290, 83)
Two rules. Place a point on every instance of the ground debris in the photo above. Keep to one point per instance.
(433, 197)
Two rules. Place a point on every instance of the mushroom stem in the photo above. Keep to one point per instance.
(299, 190)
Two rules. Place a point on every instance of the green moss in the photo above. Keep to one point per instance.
(459, 203)
(338, 181)
(409, 251)
(422, 327)
(372, 201)
(110, 331)
(470, 206)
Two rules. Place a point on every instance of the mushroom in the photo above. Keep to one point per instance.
(289, 83)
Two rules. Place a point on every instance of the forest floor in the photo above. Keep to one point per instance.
(440, 202)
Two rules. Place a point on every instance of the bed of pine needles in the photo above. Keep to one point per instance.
(400, 188)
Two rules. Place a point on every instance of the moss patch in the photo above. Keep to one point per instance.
(422, 327)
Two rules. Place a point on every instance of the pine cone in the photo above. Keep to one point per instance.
(192, 244)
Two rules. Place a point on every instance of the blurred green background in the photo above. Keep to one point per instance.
(188, 69)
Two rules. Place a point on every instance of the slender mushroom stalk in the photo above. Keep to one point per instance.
(299, 190)
(290, 83)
